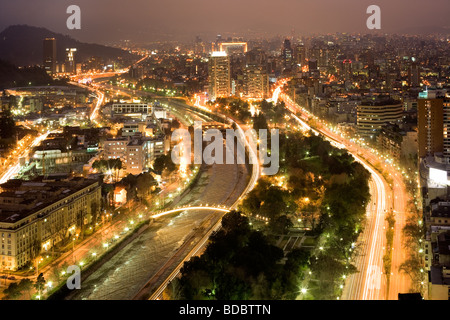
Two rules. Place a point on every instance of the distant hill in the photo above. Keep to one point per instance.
(11, 76)
(22, 45)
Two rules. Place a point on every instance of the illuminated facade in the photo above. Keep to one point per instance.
(233, 47)
(430, 120)
(371, 116)
(37, 215)
(219, 75)
(257, 82)
(70, 66)
(127, 109)
(136, 153)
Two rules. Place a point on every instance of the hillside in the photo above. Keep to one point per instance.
(22, 45)
(11, 76)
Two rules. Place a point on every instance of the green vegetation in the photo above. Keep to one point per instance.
(241, 263)
(138, 187)
(108, 166)
(233, 107)
(310, 192)
(387, 258)
(12, 76)
(15, 290)
(164, 164)
(413, 233)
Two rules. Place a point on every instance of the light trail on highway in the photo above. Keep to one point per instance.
(370, 282)
(14, 169)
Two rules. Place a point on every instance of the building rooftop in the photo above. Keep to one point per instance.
(435, 276)
(218, 54)
(20, 198)
(442, 209)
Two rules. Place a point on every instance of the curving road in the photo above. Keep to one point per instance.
(370, 282)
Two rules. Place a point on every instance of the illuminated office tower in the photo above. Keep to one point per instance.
(219, 75)
(71, 60)
(49, 55)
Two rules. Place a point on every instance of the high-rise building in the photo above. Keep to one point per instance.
(300, 54)
(434, 124)
(372, 115)
(71, 60)
(219, 75)
(287, 54)
(257, 82)
(430, 123)
(347, 69)
(312, 64)
(49, 55)
(414, 75)
(199, 46)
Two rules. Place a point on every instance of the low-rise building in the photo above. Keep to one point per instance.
(129, 109)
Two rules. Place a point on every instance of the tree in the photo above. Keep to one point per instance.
(281, 225)
(26, 285)
(117, 165)
(40, 282)
(95, 209)
(175, 124)
(13, 291)
(259, 122)
(163, 162)
(144, 183)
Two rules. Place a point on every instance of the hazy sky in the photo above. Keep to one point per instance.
(147, 20)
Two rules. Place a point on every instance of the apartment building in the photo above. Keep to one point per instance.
(372, 115)
(36, 215)
(136, 152)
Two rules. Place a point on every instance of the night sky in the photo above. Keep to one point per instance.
(103, 21)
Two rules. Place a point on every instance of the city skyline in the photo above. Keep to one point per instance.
(252, 150)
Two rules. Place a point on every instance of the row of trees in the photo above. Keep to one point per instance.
(413, 233)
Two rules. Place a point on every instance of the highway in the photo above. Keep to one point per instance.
(370, 282)
(15, 168)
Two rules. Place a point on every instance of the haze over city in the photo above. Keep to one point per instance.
(106, 21)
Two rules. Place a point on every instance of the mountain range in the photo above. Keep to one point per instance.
(22, 45)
